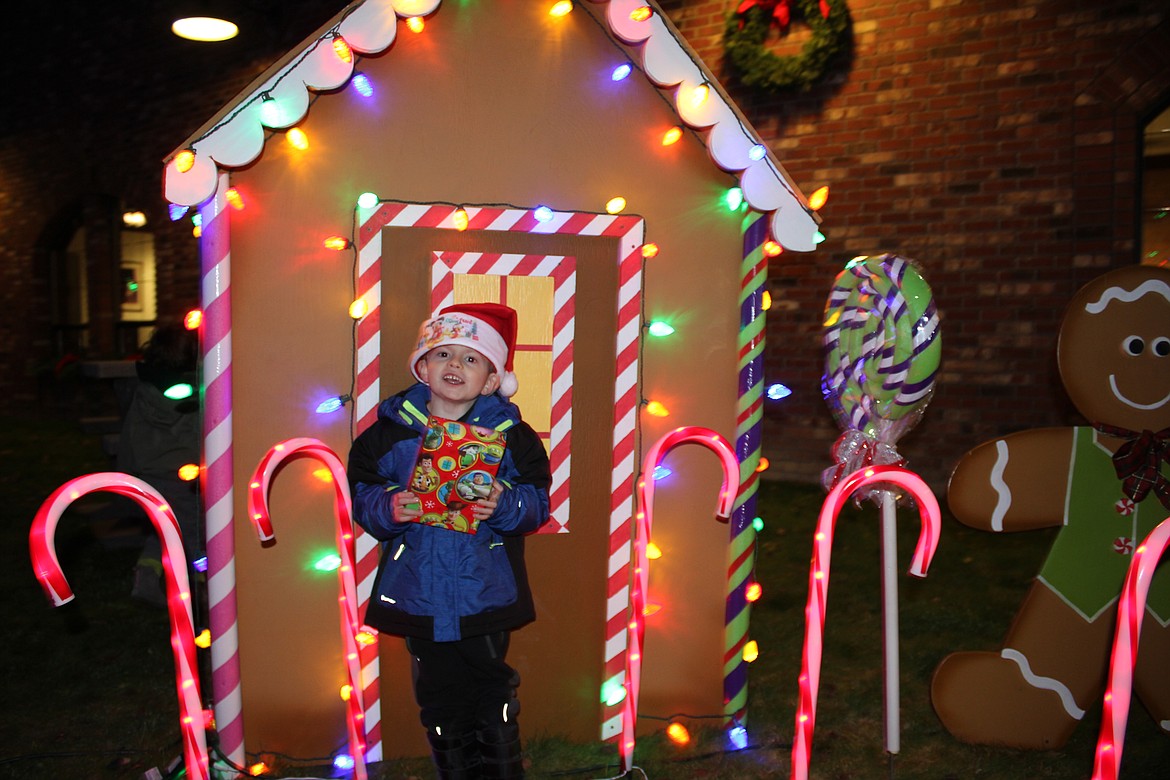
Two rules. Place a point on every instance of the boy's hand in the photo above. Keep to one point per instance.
(407, 507)
(486, 507)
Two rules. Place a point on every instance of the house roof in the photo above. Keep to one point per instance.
(236, 136)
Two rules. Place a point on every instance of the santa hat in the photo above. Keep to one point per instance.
(488, 328)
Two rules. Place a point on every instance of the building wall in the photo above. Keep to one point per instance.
(996, 143)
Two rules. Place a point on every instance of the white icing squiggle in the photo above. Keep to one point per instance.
(1002, 491)
(1044, 683)
(1156, 286)
(1121, 397)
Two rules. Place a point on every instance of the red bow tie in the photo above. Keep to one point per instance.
(1138, 462)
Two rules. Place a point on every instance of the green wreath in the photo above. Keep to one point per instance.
(755, 66)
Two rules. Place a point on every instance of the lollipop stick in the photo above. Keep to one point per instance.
(890, 618)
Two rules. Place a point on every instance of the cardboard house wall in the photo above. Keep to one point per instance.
(497, 107)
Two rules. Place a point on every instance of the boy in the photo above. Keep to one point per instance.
(456, 596)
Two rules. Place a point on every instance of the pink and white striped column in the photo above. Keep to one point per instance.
(215, 265)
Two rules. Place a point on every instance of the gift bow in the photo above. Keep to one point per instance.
(781, 10)
(1138, 462)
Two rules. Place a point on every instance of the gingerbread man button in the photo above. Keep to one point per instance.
(1103, 485)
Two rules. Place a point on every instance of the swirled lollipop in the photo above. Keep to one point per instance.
(882, 348)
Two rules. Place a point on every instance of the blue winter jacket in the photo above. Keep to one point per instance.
(432, 582)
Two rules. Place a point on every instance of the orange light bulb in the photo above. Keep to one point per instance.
(672, 136)
(184, 161)
(818, 198)
(416, 24)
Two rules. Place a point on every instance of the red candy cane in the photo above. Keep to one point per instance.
(636, 628)
(1130, 610)
(350, 623)
(818, 586)
(52, 578)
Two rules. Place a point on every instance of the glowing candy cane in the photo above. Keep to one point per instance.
(350, 623)
(52, 578)
(818, 586)
(1131, 609)
(636, 629)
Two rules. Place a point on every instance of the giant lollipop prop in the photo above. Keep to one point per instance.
(1131, 608)
(636, 628)
(818, 587)
(350, 623)
(49, 573)
(882, 347)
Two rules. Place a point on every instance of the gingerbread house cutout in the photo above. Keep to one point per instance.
(487, 147)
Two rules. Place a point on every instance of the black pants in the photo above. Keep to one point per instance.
(465, 685)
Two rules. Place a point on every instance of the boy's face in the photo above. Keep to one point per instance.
(458, 374)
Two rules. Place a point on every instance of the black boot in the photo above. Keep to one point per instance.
(456, 757)
(499, 749)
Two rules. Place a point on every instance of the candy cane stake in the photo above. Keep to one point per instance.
(48, 572)
(636, 627)
(350, 623)
(1131, 610)
(818, 586)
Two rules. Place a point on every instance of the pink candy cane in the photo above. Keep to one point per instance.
(48, 572)
(343, 510)
(818, 586)
(1131, 610)
(636, 629)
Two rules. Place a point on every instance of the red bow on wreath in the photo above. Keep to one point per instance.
(781, 10)
(1138, 462)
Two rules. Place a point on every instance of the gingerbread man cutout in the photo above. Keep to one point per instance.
(1114, 359)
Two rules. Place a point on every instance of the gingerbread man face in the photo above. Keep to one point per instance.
(1114, 349)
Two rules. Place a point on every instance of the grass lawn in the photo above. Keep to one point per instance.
(88, 688)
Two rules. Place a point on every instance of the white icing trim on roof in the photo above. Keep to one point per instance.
(370, 27)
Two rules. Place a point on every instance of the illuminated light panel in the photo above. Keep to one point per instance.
(179, 391)
(659, 328)
(459, 218)
(778, 391)
(184, 161)
(621, 72)
(234, 198)
(649, 250)
(616, 205)
(297, 139)
(561, 8)
(733, 198)
(361, 82)
(205, 29)
(657, 409)
(416, 24)
(672, 136)
(818, 198)
(341, 49)
(678, 734)
(336, 243)
(328, 562)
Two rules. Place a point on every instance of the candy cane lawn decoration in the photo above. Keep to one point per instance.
(350, 624)
(636, 626)
(818, 586)
(1131, 608)
(52, 578)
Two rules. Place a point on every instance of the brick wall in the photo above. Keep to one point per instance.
(994, 142)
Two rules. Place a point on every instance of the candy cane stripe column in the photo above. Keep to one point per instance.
(215, 266)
